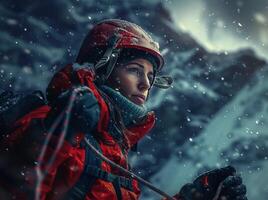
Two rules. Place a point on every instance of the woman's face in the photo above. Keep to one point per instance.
(133, 79)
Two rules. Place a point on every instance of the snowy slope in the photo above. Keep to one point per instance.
(236, 136)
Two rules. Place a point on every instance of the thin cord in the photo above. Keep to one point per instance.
(65, 114)
(127, 172)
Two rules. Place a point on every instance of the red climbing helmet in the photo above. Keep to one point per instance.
(123, 34)
(113, 36)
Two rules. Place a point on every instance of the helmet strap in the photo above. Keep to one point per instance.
(163, 82)
(110, 56)
(109, 51)
(112, 62)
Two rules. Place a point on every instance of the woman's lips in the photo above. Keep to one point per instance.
(138, 99)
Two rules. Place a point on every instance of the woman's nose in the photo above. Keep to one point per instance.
(144, 83)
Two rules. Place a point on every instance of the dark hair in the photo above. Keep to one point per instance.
(131, 54)
(118, 120)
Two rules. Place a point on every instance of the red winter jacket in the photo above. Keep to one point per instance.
(68, 166)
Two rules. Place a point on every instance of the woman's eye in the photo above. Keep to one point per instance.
(134, 70)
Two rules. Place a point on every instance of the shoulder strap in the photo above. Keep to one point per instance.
(85, 182)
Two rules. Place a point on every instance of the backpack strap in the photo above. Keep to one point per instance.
(86, 180)
(109, 177)
(92, 171)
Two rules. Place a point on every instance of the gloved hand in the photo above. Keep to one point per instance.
(84, 114)
(218, 184)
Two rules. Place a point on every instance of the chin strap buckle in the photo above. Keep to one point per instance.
(163, 82)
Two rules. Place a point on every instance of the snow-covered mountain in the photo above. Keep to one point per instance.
(215, 114)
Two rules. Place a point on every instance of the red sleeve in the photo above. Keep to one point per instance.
(63, 172)
(66, 78)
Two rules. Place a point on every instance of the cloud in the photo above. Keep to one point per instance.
(224, 25)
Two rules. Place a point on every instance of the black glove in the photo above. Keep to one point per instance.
(84, 114)
(222, 183)
(233, 188)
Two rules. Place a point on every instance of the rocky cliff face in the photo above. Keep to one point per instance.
(215, 114)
